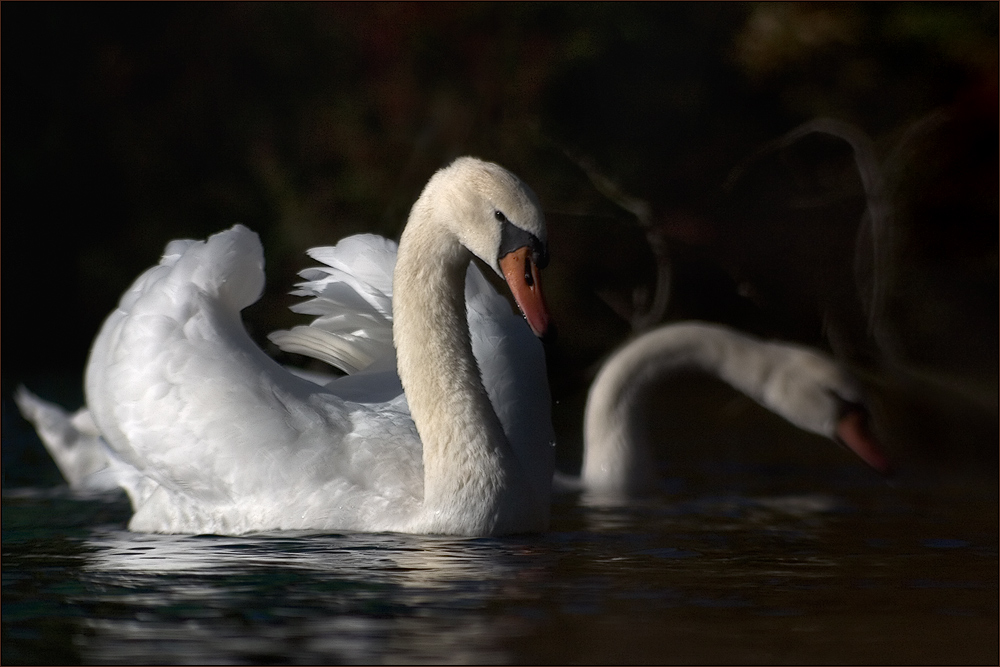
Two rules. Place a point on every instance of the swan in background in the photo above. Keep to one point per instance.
(442, 425)
(802, 385)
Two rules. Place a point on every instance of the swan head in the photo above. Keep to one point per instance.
(498, 218)
(817, 395)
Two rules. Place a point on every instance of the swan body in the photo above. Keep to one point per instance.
(802, 385)
(441, 426)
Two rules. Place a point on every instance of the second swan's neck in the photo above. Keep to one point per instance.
(616, 456)
(470, 475)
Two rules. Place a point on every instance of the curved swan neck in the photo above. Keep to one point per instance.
(467, 459)
(616, 455)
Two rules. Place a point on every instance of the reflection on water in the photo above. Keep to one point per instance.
(309, 598)
(855, 572)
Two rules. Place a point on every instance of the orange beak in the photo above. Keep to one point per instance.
(524, 280)
(853, 431)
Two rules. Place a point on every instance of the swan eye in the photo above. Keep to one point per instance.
(500, 216)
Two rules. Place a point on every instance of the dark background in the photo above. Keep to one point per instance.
(127, 125)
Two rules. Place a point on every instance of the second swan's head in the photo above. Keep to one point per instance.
(499, 219)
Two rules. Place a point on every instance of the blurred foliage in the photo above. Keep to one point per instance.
(127, 125)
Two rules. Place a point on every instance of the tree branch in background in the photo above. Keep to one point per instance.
(644, 312)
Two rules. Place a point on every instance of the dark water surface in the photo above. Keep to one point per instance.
(855, 572)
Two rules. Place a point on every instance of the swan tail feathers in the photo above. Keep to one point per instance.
(72, 440)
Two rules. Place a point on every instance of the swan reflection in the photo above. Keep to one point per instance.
(345, 598)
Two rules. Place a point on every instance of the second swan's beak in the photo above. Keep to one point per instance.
(524, 279)
(853, 431)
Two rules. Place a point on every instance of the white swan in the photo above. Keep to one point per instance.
(802, 385)
(208, 434)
